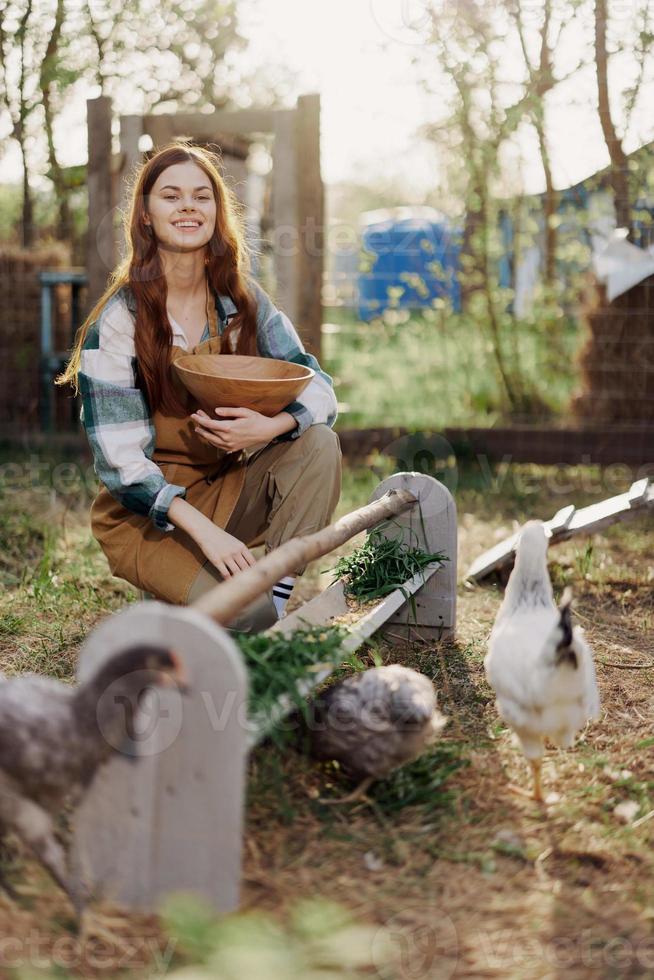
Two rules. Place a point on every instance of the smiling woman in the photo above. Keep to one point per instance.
(185, 496)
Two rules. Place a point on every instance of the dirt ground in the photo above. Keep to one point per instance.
(473, 881)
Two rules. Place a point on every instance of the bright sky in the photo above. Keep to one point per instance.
(371, 104)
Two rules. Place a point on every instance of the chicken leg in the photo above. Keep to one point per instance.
(35, 828)
(5, 886)
(537, 792)
(536, 769)
(357, 793)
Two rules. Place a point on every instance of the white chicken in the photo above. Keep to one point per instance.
(540, 667)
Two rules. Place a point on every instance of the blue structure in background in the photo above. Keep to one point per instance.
(416, 253)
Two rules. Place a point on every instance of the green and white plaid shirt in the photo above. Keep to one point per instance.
(116, 415)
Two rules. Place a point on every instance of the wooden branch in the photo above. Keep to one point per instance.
(230, 597)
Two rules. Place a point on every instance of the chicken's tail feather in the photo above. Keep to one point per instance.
(564, 648)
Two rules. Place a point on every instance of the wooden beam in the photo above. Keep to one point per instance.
(101, 245)
(205, 125)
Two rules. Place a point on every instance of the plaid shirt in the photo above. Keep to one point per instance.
(115, 412)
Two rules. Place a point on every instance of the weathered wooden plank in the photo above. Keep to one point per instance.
(173, 819)
(630, 444)
(206, 125)
(585, 520)
(638, 492)
(492, 560)
(561, 519)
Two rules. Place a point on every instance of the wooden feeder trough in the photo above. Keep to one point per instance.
(569, 522)
(174, 820)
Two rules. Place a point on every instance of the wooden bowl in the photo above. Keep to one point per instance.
(263, 384)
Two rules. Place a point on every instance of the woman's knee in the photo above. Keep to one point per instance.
(321, 439)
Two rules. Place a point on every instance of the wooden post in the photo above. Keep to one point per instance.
(100, 250)
(131, 130)
(311, 222)
(172, 819)
(285, 216)
(436, 600)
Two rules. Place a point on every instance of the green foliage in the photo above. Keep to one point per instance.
(278, 663)
(320, 940)
(432, 368)
(381, 565)
(421, 782)
(584, 560)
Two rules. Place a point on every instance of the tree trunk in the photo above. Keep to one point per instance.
(550, 206)
(619, 162)
(27, 234)
(63, 230)
(48, 73)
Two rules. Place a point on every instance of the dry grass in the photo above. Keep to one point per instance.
(480, 883)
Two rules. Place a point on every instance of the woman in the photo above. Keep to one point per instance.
(186, 496)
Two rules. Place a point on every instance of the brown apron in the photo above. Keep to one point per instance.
(166, 563)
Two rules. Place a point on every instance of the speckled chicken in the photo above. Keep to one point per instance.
(540, 667)
(54, 737)
(374, 722)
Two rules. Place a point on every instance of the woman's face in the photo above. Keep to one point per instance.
(181, 208)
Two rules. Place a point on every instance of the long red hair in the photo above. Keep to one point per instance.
(141, 270)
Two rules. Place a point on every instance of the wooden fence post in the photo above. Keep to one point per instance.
(101, 245)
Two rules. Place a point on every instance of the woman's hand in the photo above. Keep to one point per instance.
(239, 428)
(225, 552)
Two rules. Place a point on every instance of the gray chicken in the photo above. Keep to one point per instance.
(374, 722)
(54, 736)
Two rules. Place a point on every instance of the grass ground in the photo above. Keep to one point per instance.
(458, 877)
